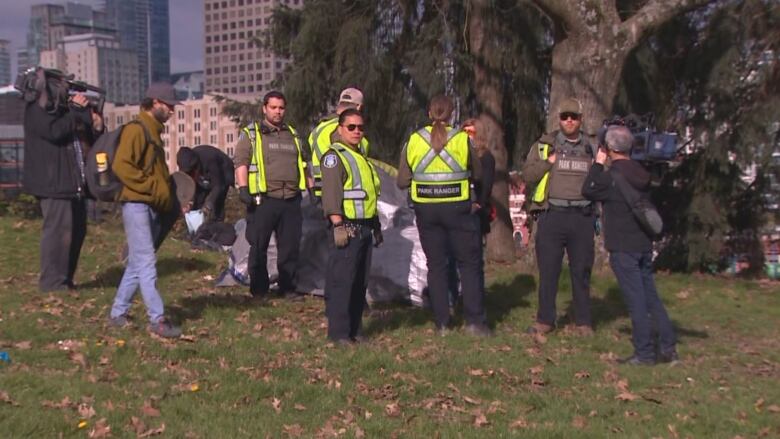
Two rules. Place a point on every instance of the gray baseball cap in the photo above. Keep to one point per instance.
(162, 91)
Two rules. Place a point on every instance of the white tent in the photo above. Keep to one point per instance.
(398, 267)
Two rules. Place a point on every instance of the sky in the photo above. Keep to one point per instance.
(186, 47)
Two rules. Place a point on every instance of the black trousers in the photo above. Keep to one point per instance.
(63, 233)
(219, 206)
(572, 230)
(284, 218)
(345, 284)
(451, 228)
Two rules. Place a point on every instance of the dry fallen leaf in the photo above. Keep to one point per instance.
(480, 420)
(626, 396)
(153, 432)
(299, 407)
(23, 345)
(276, 403)
(579, 422)
(294, 430)
(78, 358)
(773, 408)
(101, 430)
(519, 423)
(86, 411)
(4, 397)
(582, 375)
(393, 410)
(148, 410)
(472, 400)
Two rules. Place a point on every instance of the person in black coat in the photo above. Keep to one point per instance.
(631, 249)
(212, 171)
(55, 127)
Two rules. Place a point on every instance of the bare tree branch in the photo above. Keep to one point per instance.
(561, 12)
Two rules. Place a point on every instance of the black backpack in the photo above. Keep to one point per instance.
(642, 208)
(101, 180)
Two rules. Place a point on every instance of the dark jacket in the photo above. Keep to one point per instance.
(50, 167)
(484, 189)
(216, 172)
(622, 232)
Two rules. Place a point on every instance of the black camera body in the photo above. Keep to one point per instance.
(53, 89)
(650, 145)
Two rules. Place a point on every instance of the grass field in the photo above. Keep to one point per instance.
(244, 371)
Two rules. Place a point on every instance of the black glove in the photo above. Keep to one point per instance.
(243, 195)
(340, 235)
(378, 238)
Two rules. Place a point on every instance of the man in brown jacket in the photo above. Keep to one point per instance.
(148, 208)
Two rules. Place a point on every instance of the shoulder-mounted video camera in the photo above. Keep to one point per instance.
(650, 145)
(52, 89)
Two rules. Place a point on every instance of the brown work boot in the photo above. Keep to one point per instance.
(539, 328)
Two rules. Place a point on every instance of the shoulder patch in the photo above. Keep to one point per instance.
(330, 161)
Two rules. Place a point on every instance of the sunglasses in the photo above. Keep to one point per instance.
(572, 116)
(352, 127)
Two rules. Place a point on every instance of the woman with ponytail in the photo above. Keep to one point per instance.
(438, 165)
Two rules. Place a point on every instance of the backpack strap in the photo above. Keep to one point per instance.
(629, 193)
(148, 140)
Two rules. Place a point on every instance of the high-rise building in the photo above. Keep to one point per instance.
(5, 63)
(234, 64)
(50, 23)
(22, 60)
(99, 59)
(143, 26)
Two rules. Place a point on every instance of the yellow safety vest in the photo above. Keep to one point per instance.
(442, 177)
(361, 190)
(257, 183)
(541, 189)
(319, 142)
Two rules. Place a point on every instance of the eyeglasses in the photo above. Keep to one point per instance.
(352, 127)
(572, 116)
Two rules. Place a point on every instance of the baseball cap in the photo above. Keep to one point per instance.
(351, 96)
(619, 138)
(162, 91)
(570, 105)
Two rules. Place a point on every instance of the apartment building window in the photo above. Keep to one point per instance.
(166, 130)
(213, 139)
(181, 141)
(213, 125)
(196, 127)
(180, 114)
(197, 140)
(196, 113)
(167, 155)
(165, 142)
(229, 137)
(180, 128)
(120, 120)
(230, 151)
(212, 112)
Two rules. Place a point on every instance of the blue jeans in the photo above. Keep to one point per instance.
(634, 272)
(145, 230)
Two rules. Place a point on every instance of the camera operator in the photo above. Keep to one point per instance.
(54, 128)
(630, 248)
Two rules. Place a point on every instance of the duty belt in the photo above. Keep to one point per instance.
(557, 202)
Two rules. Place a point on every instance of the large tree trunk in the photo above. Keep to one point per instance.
(591, 47)
(588, 70)
(487, 86)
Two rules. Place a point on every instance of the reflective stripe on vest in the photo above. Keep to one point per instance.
(319, 141)
(442, 177)
(361, 190)
(256, 171)
(541, 189)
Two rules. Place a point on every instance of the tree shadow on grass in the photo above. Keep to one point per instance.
(500, 299)
(111, 276)
(192, 307)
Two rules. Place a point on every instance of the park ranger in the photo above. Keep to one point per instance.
(350, 190)
(271, 174)
(557, 164)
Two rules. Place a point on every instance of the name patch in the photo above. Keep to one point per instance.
(439, 191)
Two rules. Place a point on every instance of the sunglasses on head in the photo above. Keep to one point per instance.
(353, 127)
(572, 116)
